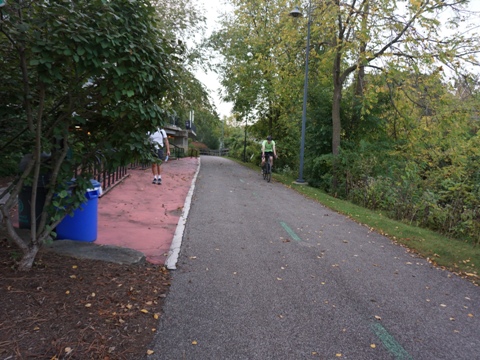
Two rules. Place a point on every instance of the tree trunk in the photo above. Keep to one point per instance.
(359, 86)
(357, 100)
(29, 252)
(336, 120)
(26, 262)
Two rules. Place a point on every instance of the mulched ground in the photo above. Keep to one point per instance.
(67, 308)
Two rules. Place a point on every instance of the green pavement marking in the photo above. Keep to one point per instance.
(290, 231)
(390, 343)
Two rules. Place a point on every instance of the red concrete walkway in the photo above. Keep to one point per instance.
(139, 215)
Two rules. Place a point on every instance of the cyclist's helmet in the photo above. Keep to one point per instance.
(269, 138)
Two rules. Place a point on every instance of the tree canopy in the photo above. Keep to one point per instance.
(82, 77)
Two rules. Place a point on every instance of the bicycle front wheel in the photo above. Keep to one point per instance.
(269, 172)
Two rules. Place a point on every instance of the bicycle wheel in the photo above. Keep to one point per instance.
(269, 172)
(264, 172)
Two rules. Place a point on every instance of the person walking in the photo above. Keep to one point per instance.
(268, 151)
(159, 140)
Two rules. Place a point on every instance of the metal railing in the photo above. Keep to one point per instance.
(108, 178)
(174, 120)
(193, 152)
(105, 176)
(178, 152)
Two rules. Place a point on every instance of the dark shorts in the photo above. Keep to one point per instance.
(268, 154)
(160, 154)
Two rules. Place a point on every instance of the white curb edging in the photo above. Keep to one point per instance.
(171, 262)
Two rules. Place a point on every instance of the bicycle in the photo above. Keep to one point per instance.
(267, 169)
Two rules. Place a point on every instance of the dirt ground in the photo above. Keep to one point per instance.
(67, 308)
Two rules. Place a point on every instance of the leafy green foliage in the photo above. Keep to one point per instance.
(389, 128)
(94, 78)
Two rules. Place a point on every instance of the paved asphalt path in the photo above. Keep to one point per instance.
(265, 273)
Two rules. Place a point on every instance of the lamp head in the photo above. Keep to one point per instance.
(295, 12)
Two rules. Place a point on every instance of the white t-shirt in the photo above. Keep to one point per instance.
(157, 137)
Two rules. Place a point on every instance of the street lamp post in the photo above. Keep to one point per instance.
(296, 13)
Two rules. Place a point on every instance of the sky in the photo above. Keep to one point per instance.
(210, 80)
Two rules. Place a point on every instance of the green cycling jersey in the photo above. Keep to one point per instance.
(268, 147)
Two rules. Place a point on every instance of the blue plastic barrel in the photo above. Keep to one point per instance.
(83, 225)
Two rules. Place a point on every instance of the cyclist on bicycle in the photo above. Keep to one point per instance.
(268, 150)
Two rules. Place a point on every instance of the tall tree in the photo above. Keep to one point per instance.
(255, 57)
(265, 56)
(262, 70)
(86, 64)
(408, 34)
